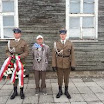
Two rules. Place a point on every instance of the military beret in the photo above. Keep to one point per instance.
(63, 32)
(16, 30)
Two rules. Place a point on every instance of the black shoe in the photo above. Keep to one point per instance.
(59, 93)
(21, 93)
(67, 93)
(14, 93)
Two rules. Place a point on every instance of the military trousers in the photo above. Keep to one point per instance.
(63, 74)
(40, 76)
(15, 83)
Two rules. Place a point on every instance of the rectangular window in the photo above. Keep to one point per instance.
(82, 19)
(8, 18)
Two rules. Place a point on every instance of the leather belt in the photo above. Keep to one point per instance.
(63, 56)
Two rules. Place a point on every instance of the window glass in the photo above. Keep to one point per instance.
(8, 20)
(88, 7)
(74, 22)
(75, 6)
(88, 22)
(90, 1)
(82, 19)
(89, 33)
(74, 33)
(8, 33)
(8, 6)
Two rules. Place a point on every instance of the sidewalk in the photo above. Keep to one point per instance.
(82, 90)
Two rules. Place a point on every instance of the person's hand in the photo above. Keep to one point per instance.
(54, 69)
(72, 68)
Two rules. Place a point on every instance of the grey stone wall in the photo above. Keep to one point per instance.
(46, 17)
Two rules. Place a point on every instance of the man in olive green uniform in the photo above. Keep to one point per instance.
(63, 61)
(20, 47)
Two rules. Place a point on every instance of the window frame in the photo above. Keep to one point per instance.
(81, 14)
(16, 19)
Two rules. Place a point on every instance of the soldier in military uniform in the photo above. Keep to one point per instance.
(20, 47)
(63, 61)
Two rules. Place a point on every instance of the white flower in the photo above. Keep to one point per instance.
(24, 75)
(24, 70)
(12, 69)
(9, 69)
(16, 77)
(5, 74)
(10, 72)
(16, 73)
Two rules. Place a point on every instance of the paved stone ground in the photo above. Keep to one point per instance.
(82, 90)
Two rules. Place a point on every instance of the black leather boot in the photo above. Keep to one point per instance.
(59, 93)
(67, 93)
(14, 93)
(21, 93)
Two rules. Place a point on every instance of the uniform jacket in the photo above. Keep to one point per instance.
(21, 48)
(44, 54)
(68, 50)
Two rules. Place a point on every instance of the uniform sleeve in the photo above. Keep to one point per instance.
(26, 51)
(72, 56)
(54, 58)
(7, 52)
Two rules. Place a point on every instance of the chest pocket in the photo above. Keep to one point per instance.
(21, 48)
(67, 50)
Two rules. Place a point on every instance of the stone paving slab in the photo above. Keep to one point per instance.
(2, 82)
(1, 86)
(94, 102)
(3, 99)
(78, 103)
(100, 96)
(91, 84)
(45, 99)
(17, 100)
(73, 90)
(8, 87)
(5, 93)
(97, 89)
(82, 90)
(62, 99)
(90, 97)
(31, 100)
(76, 98)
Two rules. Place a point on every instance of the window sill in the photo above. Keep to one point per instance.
(6, 40)
(85, 41)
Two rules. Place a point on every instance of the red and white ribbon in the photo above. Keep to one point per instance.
(18, 67)
(14, 73)
(21, 71)
(5, 66)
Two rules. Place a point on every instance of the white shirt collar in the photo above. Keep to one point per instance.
(17, 40)
(63, 41)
